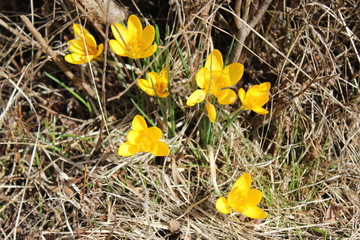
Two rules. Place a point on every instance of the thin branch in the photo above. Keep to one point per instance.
(244, 31)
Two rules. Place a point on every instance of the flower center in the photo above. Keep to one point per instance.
(135, 48)
(144, 144)
(160, 87)
(214, 84)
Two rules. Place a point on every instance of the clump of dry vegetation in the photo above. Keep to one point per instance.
(61, 177)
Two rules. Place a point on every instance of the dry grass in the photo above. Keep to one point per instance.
(60, 176)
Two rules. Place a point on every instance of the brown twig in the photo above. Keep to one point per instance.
(17, 33)
(56, 58)
(243, 30)
(103, 80)
(96, 12)
(314, 80)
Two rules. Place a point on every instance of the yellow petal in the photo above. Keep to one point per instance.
(79, 30)
(257, 91)
(143, 83)
(122, 37)
(154, 133)
(235, 72)
(254, 212)
(210, 109)
(148, 36)
(236, 199)
(244, 182)
(163, 81)
(265, 87)
(153, 78)
(134, 27)
(222, 205)
(262, 94)
(203, 78)
(148, 52)
(164, 75)
(91, 45)
(214, 61)
(139, 123)
(244, 99)
(260, 100)
(127, 149)
(221, 80)
(260, 110)
(225, 96)
(117, 48)
(77, 59)
(242, 95)
(100, 50)
(163, 95)
(160, 149)
(253, 198)
(134, 137)
(77, 46)
(146, 87)
(155, 82)
(253, 92)
(120, 33)
(196, 97)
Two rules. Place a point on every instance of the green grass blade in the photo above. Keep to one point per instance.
(143, 113)
(77, 96)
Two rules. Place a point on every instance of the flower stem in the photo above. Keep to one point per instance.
(231, 119)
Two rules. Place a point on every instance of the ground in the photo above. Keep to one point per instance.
(61, 124)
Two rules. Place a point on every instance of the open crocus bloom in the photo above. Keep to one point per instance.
(134, 41)
(242, 199)
(156, 84)
(215, 80)
(256, 97)
(83, 47)
(143, 139)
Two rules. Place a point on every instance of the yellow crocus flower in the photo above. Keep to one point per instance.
(143, 139)
(84, 47)
(134, 41)
(156, 84)
(215, 80)
(242, 199)
(256, 97)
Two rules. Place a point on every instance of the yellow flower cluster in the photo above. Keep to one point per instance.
(214, 81)
(133, 42)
